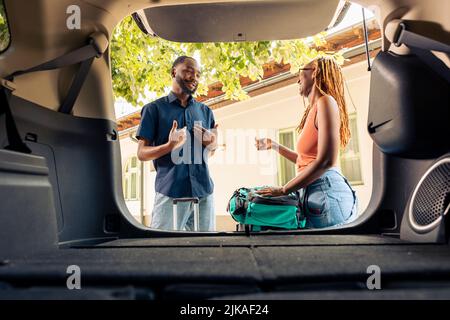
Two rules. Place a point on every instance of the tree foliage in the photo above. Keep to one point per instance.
(4, 32)
(141, 63)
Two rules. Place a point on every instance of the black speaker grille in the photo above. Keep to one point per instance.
(432, 196)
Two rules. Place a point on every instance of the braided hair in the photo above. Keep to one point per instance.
(330, 81)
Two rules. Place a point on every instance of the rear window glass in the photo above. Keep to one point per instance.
(4, 30)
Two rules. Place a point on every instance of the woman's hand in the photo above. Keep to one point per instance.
(271, 192)
(263, 144)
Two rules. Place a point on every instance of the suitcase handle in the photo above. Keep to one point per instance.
(196, 211)
(194, 200)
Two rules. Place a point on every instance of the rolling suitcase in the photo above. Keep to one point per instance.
(195, 201)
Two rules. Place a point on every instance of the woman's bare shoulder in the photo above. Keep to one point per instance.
(326, 100)
(327, 103)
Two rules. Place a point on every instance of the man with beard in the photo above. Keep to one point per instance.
(161, 140)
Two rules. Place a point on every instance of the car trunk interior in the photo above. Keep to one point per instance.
(63, 204)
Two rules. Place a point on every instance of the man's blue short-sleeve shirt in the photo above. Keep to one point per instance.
(189, 179)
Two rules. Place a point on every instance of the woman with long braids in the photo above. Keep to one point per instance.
(326, 197)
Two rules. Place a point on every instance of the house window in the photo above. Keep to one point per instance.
(132, 181)
(350, 158)
(4, 30)
(286, 168)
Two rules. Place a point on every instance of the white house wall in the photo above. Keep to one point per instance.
(280, 109)
(128, 149)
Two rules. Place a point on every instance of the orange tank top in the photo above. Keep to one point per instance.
(307, 141)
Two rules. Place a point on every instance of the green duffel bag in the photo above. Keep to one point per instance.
(263, 213)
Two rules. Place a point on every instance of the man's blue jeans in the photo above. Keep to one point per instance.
(162, 215)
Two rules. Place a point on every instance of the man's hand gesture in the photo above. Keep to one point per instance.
(176, 137)
(208, 138)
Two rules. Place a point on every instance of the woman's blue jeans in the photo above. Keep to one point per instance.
(328, 201)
